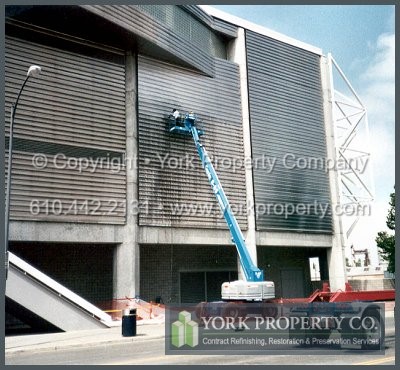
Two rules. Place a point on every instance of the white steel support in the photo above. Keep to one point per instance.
(353, 156)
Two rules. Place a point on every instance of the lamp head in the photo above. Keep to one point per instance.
(34, 71)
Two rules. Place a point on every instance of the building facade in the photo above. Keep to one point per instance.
(108, 203)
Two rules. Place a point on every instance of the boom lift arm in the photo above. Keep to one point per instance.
(253, 288)
(252, 272)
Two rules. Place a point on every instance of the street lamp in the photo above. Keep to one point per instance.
(33, 71)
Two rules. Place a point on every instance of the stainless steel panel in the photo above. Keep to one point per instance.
(286, 114)
(216, 100)
(74, 109)
(226, 28)
(131, 18)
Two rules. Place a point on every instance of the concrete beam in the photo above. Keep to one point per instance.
(186, 236)
(237, 54)
(126, 255)
(182, 236)
(29, 231)
(98, 233)
(282, 239)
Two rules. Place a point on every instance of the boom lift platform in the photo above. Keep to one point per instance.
(253, 288)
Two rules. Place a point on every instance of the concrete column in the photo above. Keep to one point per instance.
(237, 54)
(336, 254)
(126, 255)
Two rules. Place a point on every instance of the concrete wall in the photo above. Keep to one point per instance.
(280, 263)
(336, 255)
(372, 284)
(161, 265)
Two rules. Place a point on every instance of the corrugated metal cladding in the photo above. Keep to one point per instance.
(225, 28)
(287, 124)
(173, 187)
(215, 23)
(185, 25)
(132, 18)
(198, 13)
(74, 115)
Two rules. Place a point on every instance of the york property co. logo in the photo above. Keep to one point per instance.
(184, 331)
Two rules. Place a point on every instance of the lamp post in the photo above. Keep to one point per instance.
(33, 71)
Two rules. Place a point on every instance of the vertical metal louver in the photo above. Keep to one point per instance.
(287, 124)
(173, 188)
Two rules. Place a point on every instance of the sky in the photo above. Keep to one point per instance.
(361, 39)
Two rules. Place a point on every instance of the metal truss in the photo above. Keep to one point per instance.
(353, 156)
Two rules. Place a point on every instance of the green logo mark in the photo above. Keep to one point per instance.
(185, 331)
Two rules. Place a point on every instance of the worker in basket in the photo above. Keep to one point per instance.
(177, 116)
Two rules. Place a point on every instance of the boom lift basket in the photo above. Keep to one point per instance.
(183, 124)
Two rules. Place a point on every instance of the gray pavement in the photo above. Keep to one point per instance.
(83, 338)
(146, 329)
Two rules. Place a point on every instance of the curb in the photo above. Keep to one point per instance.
(83, 339)
(59, 347)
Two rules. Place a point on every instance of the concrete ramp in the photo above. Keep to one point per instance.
(48, 299)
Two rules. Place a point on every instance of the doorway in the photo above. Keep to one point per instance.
(200, 286)
(292, 281)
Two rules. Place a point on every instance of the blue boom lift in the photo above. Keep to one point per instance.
(254, 288)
